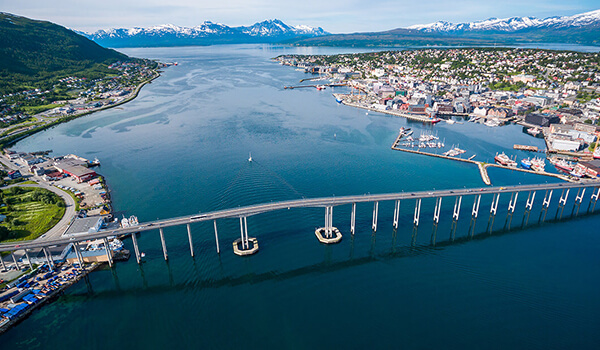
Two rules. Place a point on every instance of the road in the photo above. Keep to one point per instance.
(63, 224)
(299, 203)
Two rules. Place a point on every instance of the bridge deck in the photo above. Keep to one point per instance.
(298, 203)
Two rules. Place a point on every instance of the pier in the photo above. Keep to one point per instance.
(312, 86)
(527, 148)
(419, 118)
(481, 165)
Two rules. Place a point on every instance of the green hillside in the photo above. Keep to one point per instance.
(33, 54)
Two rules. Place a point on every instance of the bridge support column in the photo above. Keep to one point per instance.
(78, 254)
(244, 240)
(580, 194)
(513, 202)
(109, 255)
(2, 263)
(530, 199)
(563, 197)
(216, 236)
(595, 195)
(353, 219)
(164, 244)
(326, 234)
(494, 207)
(15, 260)
(48, 255)
(396, 213)
(189, 231)
(28, 260)
(475, 210)
(547, 198)
(375, 214)
(436, 211)
(417, 212)
(457, 203)
(136, 248)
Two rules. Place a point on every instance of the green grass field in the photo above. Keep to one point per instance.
(29, 217)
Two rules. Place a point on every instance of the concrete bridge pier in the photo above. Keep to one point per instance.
(563, 197)
(326, 234)
(457, 203)
(475, 210)
(375, 214)
(513, 202)
(2, 263)
(353, 219)
(547, 198)
(136, 248)
(436, 211)
(244, 240)
(396, 213)
(216, 236)
(78, 254)
(28, 260)
(580, 194)
(417, 212)
(530, 199)
(494, 206)
(594, 198)
(163, 243)
(108, 252)
(15, 260)
(189, 232)
(48, 255)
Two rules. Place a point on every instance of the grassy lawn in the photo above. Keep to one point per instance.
(31, 110)
(30, 212)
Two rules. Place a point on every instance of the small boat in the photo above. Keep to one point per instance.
(435, 120)
(320, 87)
(143, 255)
(526, 163)
(250, 157)
(338, 100)
(450, 121)
(534, 131)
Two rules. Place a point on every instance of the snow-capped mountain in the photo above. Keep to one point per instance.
(513, 24)
(204, 34)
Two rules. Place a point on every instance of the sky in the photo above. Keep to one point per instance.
(335, 16)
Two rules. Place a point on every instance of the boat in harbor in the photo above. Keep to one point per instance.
(503, 159)
(320, 87)
(538, 164)
(562, 165)
(534, 131)
(526, 163)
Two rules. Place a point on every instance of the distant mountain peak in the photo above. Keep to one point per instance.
(206, 33)
(513, 23)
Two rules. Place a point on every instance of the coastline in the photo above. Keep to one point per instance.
(11, 140)
(50, 298)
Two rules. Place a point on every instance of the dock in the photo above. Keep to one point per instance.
(482, 166)
(527, 148)
(312, 86)
(419, 118)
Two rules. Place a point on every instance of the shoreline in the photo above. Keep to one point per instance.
(11, 140)
(48, 299)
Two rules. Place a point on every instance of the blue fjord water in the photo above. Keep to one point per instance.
(181, 147)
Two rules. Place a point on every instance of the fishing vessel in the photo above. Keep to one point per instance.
(534, 131)
(538, 164)
(562, 165)
(503, 159)
(526, 163)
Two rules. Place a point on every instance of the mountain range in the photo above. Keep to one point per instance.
(513, 24)
(207, 33)
(578, 29)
